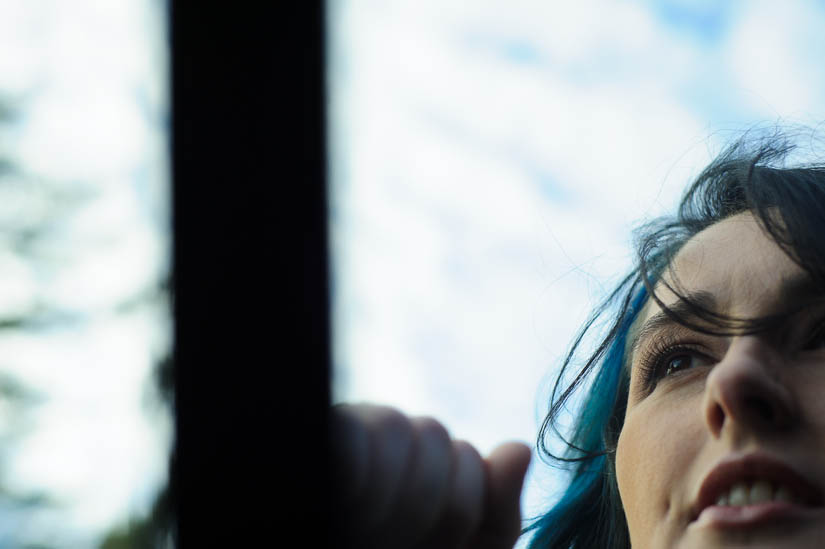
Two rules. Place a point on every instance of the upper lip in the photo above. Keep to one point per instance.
(752, 467)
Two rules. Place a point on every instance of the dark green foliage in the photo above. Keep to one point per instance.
(153, 531)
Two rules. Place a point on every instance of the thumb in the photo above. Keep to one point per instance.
(506, 467)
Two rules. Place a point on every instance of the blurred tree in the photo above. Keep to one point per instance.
(157, 529)
(37, 214)
(17, 400)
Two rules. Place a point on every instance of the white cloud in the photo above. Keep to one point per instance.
(775, 53)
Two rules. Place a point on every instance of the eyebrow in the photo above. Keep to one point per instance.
(795, 291)
(681, 309)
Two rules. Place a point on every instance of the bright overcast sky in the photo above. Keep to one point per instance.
(489, 160)
(89, 78)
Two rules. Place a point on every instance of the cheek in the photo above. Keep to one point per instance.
(808, 389)
(633, 458)
(653, 455)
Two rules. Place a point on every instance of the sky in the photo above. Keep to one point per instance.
(88, 79)
(489, 161)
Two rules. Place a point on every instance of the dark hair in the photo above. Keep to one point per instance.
(751, 175)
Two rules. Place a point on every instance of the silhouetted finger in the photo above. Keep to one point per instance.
(350, 451)
(505, 470)
(390, 442)
(462, 512)
(423, 493)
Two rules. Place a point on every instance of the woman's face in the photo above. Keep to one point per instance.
(723, 443)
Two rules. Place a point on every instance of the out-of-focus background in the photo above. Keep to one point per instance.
(489, 160)
(85, 331)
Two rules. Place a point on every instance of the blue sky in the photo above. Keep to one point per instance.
(489, 161)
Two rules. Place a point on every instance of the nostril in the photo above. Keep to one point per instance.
(762, 409)
(716, 419)
(742, 392)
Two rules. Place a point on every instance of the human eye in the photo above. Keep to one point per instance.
(667, 358)
(815, 338)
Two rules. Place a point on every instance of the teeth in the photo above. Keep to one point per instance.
(744, 493)
(760, 491)
(738, 494)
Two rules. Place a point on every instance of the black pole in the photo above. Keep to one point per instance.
(251, 295)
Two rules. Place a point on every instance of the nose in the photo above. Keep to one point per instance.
(744, 393)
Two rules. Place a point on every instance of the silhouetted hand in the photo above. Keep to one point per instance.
(404, 483)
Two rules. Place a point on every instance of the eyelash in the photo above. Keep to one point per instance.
(816, 337)
(653, 366)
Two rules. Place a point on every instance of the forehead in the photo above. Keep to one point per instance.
(735, 262)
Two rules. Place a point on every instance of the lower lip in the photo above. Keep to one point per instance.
(731, 516)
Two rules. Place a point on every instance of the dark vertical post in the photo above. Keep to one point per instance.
(250, 270)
